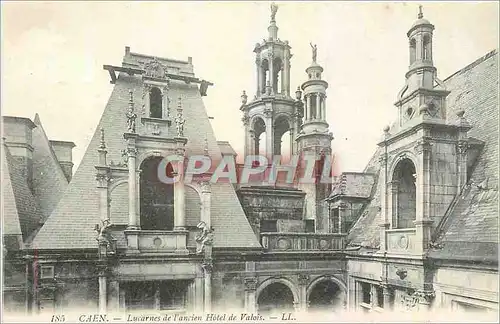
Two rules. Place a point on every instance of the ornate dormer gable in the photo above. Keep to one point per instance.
(424, 156)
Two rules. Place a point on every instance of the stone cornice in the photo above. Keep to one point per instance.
(426, 124)
(277, 99)
(312, 82)
(428, 92)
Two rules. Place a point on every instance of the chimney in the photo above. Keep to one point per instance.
(64, 154)
(17, 133)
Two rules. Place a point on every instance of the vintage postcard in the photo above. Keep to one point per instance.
(249, 162)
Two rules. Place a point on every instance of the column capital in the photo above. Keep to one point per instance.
(205, 186)
(422, 146)
(303, 279)
(131, 152)
(250, 283)
(462, 147)
(207, 266)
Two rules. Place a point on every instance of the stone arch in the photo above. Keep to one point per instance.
(334, 286)
(116, 183)
(413, 50)
(403, 155)
(155, 103)
(404, 193)
(118, 202)
(282, 126)
(258, 124)
(277, 281)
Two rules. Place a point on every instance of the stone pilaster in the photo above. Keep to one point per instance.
(387, 291)
(207, 270)
(303, 280)
(103, 295)
(423, 223)
(133, 221)
(250, 298)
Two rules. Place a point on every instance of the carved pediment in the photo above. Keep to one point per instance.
(155, 69)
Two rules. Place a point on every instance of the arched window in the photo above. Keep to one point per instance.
(156, 197)
(281, 133)
(277, 66)
(313, 108)
(265, 75)
(413, 50)
(404, 195)
(259, 128)
(155, 103)
(426, 49)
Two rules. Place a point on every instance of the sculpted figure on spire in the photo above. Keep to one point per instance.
(314, 51)
(274, 10)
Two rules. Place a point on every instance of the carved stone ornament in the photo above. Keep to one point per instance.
(131, 116)
(303, 279)
(250, 283)
(156, 129)
(145, 90)
(401, 273)
(154, 69)
(383, 159)
(102, 179)
(462, 147)
(204, 238)
(245, 120)
(268, 112)
(422, 145)
(207, 266)
(104, 236)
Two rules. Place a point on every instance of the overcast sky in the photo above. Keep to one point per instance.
(52, 57)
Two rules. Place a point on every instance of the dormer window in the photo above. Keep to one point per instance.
(155, 103)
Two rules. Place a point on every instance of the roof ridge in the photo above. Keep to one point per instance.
(473, 64)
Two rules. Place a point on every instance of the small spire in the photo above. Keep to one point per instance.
(420, 13)
(102, 144)
(131, 97)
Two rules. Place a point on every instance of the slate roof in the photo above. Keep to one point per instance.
(20, 208)
(353, 184)
(71, 225)
(10, 215)
(472, 228)
(49, 181)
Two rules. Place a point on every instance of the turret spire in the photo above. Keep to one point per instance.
(420, 13)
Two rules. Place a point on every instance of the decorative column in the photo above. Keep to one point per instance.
(387, 291)
(259, 75)
(271, 70)
(179, 189)
(102, 289)
(423, 223)
(373, 296)
(250, 298)
(131, 153)
(318, 107)
(303, 302)
(286, 70)
(248, 144)
(269, 134)
(133, 222)
(208, 263)
(384, 208)
(308, 107)
(114, 296)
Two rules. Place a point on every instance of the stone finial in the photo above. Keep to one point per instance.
(102, 144)
(131, 116)
(179, 103)
(298, 94)
(420, 13)
(386, 129)
(244, 97)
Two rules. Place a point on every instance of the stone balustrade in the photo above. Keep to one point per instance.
(303, 241)
(153, 241)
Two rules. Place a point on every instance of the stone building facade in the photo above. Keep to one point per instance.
(417, 229)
